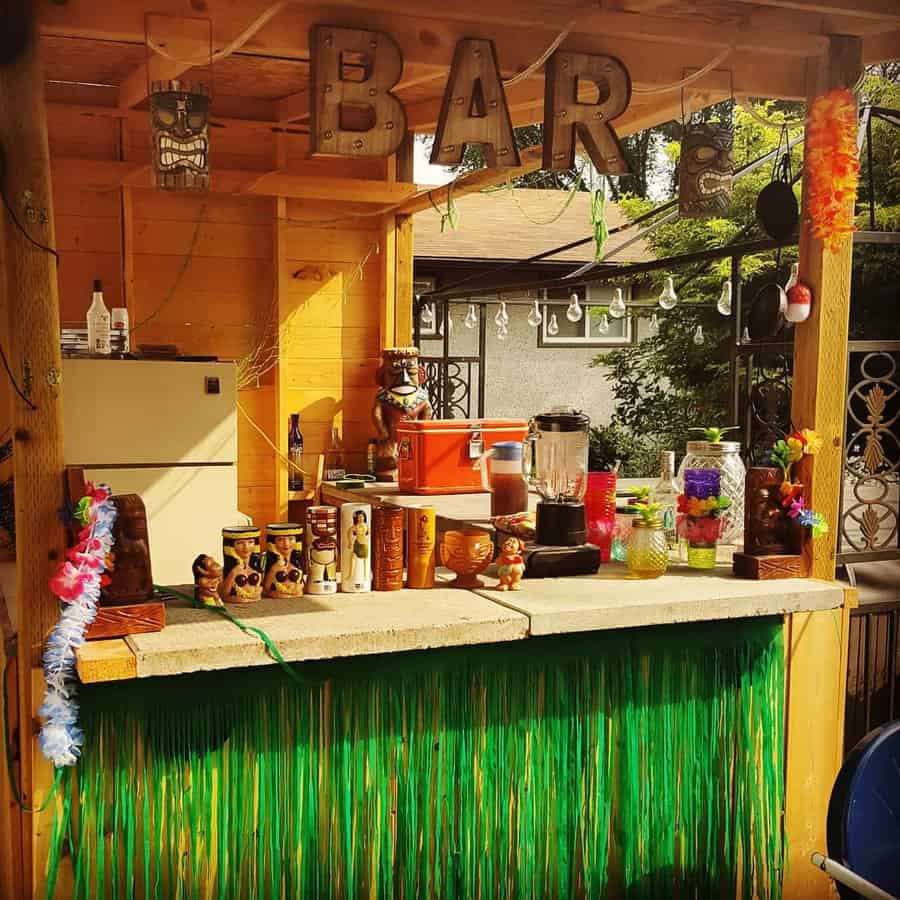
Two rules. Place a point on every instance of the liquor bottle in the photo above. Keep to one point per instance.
(295, 453)
(371, 456)
(98, 324)
(666, 495)
(334, 458)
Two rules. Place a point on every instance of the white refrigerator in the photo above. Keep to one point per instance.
(167, 430)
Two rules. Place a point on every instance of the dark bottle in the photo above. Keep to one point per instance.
(295, 453)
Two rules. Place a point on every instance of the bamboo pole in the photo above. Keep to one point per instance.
(34, 357)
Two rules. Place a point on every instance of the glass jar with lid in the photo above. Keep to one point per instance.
(648, 550)
(726, 457)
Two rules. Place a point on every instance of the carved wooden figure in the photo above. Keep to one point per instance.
(352, 109)
(401, 396)
(130, 579)
(474, 109)
(565, 116)
(764, 519)
(705, 171)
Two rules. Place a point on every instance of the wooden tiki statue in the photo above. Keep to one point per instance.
(128, 563)
(401, 395)
(764, 518)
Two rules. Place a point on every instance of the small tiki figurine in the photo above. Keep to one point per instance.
(284, 561)
(207, 579)
(129, 578)
(401, 395)
(321, 550)
(243, 567)
(511, 565)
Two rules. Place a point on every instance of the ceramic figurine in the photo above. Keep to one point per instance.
(321, 550)
(356, 548)
(467, 553)
(511, 565)
(207, 578)
(284, 561)
(387, 542)
(401, 395)
(242, 582)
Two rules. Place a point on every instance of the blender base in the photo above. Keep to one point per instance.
(560, 524)
(543, 561)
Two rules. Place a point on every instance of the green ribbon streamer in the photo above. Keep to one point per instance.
(598, 222)
(639, 764)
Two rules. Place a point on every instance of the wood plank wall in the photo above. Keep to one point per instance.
(136, 241)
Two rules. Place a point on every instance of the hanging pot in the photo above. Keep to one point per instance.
(776, 210)
(766, 318)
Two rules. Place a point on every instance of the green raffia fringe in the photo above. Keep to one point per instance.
(644, 763)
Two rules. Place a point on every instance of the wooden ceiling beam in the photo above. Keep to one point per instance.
(881, 48)
(106, 174)
(430, 41)
(858, 9)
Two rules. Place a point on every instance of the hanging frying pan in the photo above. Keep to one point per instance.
(776, 210)
(766, 317)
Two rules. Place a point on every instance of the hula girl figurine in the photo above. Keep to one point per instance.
(242, 582)
(356, 541)
(284, 561)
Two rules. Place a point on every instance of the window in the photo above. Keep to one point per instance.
(594, 301)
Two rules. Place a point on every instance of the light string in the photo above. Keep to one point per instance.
(689, 79)
(531, 69)
(77, 583)
(261, 432)
(774, 124)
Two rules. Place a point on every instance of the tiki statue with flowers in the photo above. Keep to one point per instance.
(401, 395)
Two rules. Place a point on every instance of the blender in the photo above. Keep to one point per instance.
(558, 471)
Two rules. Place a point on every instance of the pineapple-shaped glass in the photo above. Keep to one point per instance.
(648, 551)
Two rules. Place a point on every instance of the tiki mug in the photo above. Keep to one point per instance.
(387, 540)
(420, 534)
(207, 578)
(356, 548)
(467, 553)
(284, 561)
(321, 550)
(764, 518)
(242, 581)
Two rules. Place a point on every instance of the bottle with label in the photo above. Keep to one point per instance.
(371, 456)
(98, 324)
(666, 495)
(295, 453)
(334, 458)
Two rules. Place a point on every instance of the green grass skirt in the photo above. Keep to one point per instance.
(641, 763)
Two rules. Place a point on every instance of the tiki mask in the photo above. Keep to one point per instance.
(179, 129)
(705, 171)
(401, 396)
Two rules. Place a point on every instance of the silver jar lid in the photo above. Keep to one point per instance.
(708, 448)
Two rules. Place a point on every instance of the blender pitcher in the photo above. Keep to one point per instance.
(559, 465)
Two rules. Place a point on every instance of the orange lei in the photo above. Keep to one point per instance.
(831, 168)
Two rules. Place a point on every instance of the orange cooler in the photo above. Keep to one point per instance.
(441, 456)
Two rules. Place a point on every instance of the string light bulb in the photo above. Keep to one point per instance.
(745, 336)
(603, 324)
(724, 304)
(502, 316)
(471, 319)
(534, 317)
(667, 296)
(553, 326)
(617, 307)
(502, 331)
(427, 313)
(573, 311)
(449, 325)
(698, 336)
(653, 326)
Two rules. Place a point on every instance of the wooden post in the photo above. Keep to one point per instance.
(820, 343)
(397, 304)
(34, 356)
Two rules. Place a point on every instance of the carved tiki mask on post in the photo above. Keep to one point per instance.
(705, 171)
(179, 131)
(401, 396)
